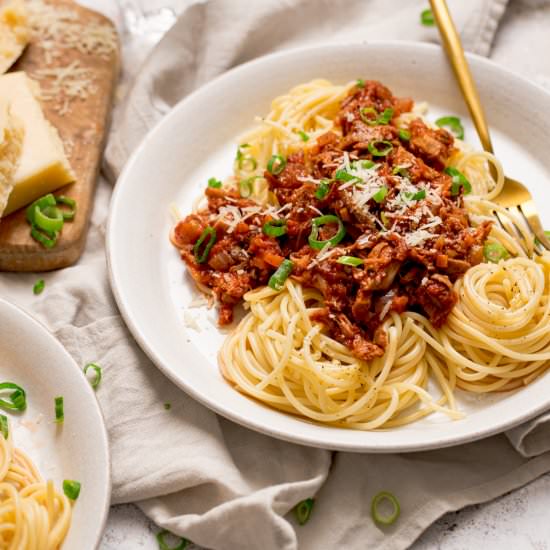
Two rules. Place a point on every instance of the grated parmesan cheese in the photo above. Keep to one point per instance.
(190, 321)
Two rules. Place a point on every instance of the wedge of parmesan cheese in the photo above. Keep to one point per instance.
(43, 166)
(11, 145)
(14, 32)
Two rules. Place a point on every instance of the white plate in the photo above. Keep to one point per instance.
(78, 449)
(198, 139)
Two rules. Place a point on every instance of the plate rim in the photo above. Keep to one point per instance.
(210, 402)
(40, 326)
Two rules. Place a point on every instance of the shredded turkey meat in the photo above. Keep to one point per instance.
(405, 225)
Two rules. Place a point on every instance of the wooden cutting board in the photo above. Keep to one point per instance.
(82, 124)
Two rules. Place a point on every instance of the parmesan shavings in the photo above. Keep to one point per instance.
(233, 215)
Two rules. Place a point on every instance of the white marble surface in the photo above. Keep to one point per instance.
(518, 521)
(515, 521)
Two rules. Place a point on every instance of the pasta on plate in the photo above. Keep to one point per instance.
(379, 275)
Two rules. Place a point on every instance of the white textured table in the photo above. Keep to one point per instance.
(518, 520)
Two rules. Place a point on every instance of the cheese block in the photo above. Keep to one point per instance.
(11, 145)
(43, 165)
(14, 32)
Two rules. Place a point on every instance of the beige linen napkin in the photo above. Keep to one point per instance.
(194, 473)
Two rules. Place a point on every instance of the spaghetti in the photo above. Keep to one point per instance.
(33, 514)
(472, 313)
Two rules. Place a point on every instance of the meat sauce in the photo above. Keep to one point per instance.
(406, 227)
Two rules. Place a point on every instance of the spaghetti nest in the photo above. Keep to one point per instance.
(33, 514)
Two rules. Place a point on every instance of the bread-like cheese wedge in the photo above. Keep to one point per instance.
(43, 165)
(14, 32)
(11, 145)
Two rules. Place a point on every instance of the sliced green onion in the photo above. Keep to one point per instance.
(367, 164)
(419, 195)
(71, 488)
(385, 220)
(214, 183)
(163, 545)
(360, 83)
(494, 252)
(323, 220)
(41, 203)
(275, 228)
(97, 378)
(247, 162)
(380, 148)
(38, 286)
(59, 410)
(380, 195)
(405, 135)
(303, 510)
(49, 218)
(453, 123)
(342, 175)
(350, 260)
(459, 180)
(48, 239)
(277, 280)
(303, 135)
(386, 116)
(322, 189)
(17, 400)
(384, 519)
(167, 406)
(4, 426)
(210, 233)
(245, 188)
(68, 213)
(276, 164)
(369, 111)
(427, 18)
(400, 171)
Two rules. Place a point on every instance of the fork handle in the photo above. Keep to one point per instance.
(455, 53)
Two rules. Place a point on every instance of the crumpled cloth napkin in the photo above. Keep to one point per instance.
(197, 474)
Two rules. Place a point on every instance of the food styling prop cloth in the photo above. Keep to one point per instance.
(197, 474)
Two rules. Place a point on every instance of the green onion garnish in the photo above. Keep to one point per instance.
(459, 180)
(323, 220)
(38, 286)
(164, 546)
(405, 135)
(384, 218)
(71, 488)
(210, 233)
(303, 135)
(68, 213)
(17, 400)
(4, 426)
(380, 195)
(48, 239)
(303, 509)
(367, 164)
(453, 123)
(342, 175)
(41, 203)
(59, 412)
(276, 165)
(360, 83)
(245, 187)
(380, 148)
(385, 519)
(419, 195)
(494, 252)
(277, 280)
(386, 116)
(246, 162)
(214, 183)
(365, 111)
(400, 171)
(275, 228)
(97, 376)
(427, 18)
(49, 218)
(322, 189)
(350, 260)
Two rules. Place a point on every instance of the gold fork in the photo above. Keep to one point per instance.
(515, 197)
